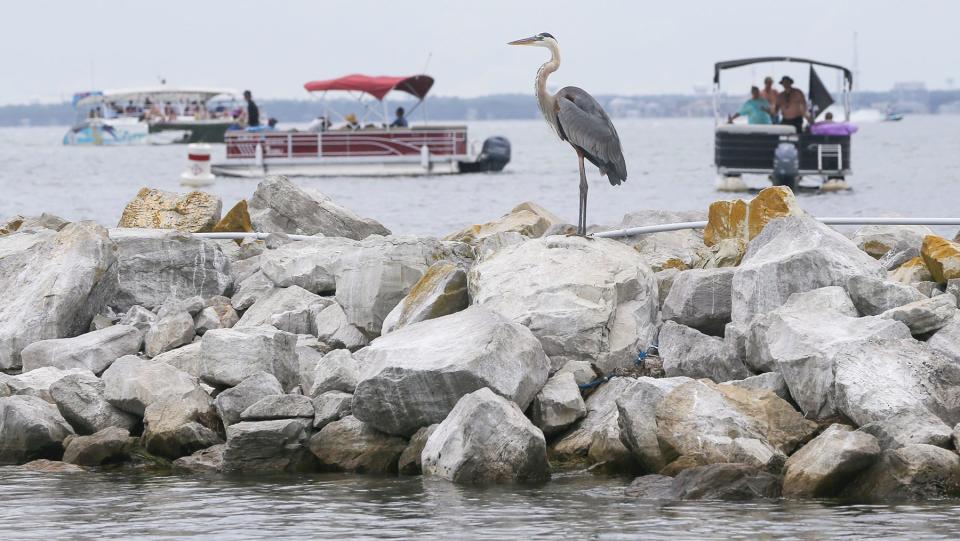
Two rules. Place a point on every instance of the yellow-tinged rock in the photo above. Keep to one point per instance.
(743, 220)
(529, 219)
(237, 220)
(12, 225)
(193, 212)
(942, 258)
(912, 271)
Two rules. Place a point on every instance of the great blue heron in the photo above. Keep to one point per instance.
(579, 120)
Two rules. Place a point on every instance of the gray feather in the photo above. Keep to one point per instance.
(586, 126)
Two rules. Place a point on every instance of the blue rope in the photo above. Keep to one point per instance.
(641, 357)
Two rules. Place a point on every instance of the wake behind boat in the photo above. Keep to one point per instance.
(366, 146)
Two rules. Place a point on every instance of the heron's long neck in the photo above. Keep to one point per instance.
(544, 99)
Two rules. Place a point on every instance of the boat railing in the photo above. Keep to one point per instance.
(377, 142)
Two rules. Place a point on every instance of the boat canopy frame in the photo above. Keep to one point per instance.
(160, 94)
(357, 85)
(718, 67)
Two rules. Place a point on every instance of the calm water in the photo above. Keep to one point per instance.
(907, 168)
(574, 506)
(910, 168)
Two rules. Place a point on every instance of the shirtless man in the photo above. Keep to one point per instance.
(769, 93)
(791, 104)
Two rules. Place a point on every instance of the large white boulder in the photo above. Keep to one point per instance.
(878, 240)
(80, 399)
(688, 352)
(584, 299)
(232, 402)
(268, 446)
(791, 255)
(176, 426)
(414, 376)
(132, 384)
(228, 356)
(156, 264)
(873, 296)
(558, 405)
(700, 298)
(94, 351)
(280, 206)
(596, 438)
(51, 285)
(30, 428)
(637, 419)
(486, 439)
(442, 290)
(821, 468)
(293, 307)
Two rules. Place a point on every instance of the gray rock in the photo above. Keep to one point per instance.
(43, 465)
(154, 265)
(651, 487)
(414, 376)
(94, 351)
(280, 206)
(131, 383)
(289, 309)
(879, 379)
(801, 340)
(700, 298)
(823, 467)
(737, 482)
(186, 358)
(688, 352)
(486, 439)
(873, 296)
(44, 221)
(771, 381)
(79, 397)
(52, 284)
(215, 317)
(333, 328)
(37, 382)
(596, 440)
(410, 462)
(250, 290)
(637, 419)
(281, 406)
(233, 402)
(913, 472)
(176, 426)
(168, 332)
(30, 428)
(908, 428)
(351, 445)
(946, 341)
(892, 260)
(100, 322)
(593, 300)
(209, 460)
(441, 291)
(665, 279)
(680, 249)
(927, 288)
(228, 356)
(139, 317)
(925, 315)
(879, 240)
(331, 406)
(268, 446)
(112, 444)
(699, 422)
(336, 371)
(581, 370)
(791, 255)
(191, 305)
(558, 404)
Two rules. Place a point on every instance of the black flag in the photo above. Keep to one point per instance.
(820, 98)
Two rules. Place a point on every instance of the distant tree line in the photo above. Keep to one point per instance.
(510, 106)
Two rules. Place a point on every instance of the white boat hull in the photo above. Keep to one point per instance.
(335, 168)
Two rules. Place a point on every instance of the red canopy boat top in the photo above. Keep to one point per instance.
(378, 87)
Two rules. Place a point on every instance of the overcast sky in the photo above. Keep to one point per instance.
(52, 49)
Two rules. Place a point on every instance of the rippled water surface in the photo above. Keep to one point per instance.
(910, 168)
(574, 506)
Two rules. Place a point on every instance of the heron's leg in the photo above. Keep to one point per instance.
(582, 224)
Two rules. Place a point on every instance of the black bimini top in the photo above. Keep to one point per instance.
(720, 66)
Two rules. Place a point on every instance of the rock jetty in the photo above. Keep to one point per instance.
(768, 356)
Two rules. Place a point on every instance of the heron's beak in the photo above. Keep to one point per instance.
(525, 41)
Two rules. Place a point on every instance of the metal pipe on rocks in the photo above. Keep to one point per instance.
(658, 228)
(646, 229)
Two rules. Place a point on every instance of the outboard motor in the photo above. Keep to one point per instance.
(786, 165)
(494, 156)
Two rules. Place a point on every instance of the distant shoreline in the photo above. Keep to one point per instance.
(522, 106)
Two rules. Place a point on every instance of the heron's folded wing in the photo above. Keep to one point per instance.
(587, 126)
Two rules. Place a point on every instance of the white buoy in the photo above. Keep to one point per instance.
(425, 158)
(198, 166)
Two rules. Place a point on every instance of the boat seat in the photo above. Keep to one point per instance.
(768, 129)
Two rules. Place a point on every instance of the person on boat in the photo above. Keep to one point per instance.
(756, 109)
(271, 124)
(769, 93)
(400, 121)
(253, 112)
(352, 123)
(319, 124)
(791, 104)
